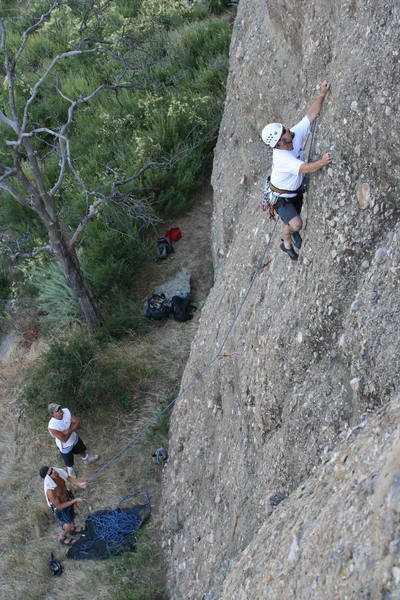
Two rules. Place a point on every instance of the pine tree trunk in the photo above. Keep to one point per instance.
(43, 204)
(70, 266)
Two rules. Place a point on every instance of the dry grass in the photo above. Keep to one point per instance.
(29, 531)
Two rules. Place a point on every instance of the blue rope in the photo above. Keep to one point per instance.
(114, 528)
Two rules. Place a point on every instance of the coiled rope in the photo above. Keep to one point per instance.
(114, 527)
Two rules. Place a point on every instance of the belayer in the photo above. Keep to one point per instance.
(283, 192)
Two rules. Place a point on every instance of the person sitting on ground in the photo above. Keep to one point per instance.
(62, 427)
(59, 499)
(289, 169)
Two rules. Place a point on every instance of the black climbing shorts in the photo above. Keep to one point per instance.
(289, 207)
(68, 457)
(65, 515)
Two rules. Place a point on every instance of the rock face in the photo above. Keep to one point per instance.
(290, 359)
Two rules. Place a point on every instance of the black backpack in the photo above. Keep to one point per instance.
(181, 308)
(158, 307)
(164, 247)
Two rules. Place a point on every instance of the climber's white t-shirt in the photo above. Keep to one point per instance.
(286, 163)
(50, 484)
(62, 425)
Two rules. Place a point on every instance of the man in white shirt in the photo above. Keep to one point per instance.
(61, 501)
(62, 427)
(289, 169)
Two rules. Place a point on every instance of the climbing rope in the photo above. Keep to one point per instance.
(310, 138)
(219, 354)
(114, 527)
(260, 268)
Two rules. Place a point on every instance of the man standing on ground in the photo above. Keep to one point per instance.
(60, 501)
(62, 427)
(289, 169)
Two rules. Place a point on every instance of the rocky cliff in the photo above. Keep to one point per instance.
(284, 471)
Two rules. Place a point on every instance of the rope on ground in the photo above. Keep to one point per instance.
(114, 528)
(260, 267)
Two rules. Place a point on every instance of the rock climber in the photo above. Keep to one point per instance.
(289, 168)
(60, 501)
(62, 427)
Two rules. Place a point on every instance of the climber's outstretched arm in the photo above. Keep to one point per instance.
(315, 107)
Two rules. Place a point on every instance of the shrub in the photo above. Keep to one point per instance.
(179, 72)
(112, 256)
(121, 315)
(56, 300)
(80, 373)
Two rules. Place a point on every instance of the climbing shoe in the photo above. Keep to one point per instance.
(289, 251)
(296, 238)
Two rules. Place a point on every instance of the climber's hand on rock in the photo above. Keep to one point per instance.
(324, 87)
(326, 159)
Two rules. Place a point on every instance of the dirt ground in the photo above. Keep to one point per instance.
(29, 532)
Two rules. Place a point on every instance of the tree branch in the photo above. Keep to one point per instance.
(30, 29)
(6, 172)
(35, 252)
(9, 69)
(8, 187)
(44, 76)
(93, 212)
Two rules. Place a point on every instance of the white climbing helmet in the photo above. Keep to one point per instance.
(271, 133)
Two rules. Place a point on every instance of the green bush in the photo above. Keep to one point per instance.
(179, 57)
(120, 315)
(82, 375)
(57, 304)
(112, 253)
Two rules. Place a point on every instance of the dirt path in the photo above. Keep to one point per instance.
(29, 532)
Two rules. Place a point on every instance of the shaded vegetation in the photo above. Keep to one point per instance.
(171, 115)
(79, 373)
(174, 57)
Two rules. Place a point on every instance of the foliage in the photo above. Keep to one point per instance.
(112, 253)
(57, 305)
(5, 277)
(135, 575)
(158, 433)
(121, 315)
(79, 373)
(171, 115)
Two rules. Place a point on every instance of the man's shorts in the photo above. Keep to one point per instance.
(65, 515)
(68, 457)
(289, 207)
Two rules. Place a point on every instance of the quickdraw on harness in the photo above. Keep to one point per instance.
(273, 195)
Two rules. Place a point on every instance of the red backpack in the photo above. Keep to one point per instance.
(173, 234)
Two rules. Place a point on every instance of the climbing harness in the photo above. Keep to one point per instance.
(272, 196)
